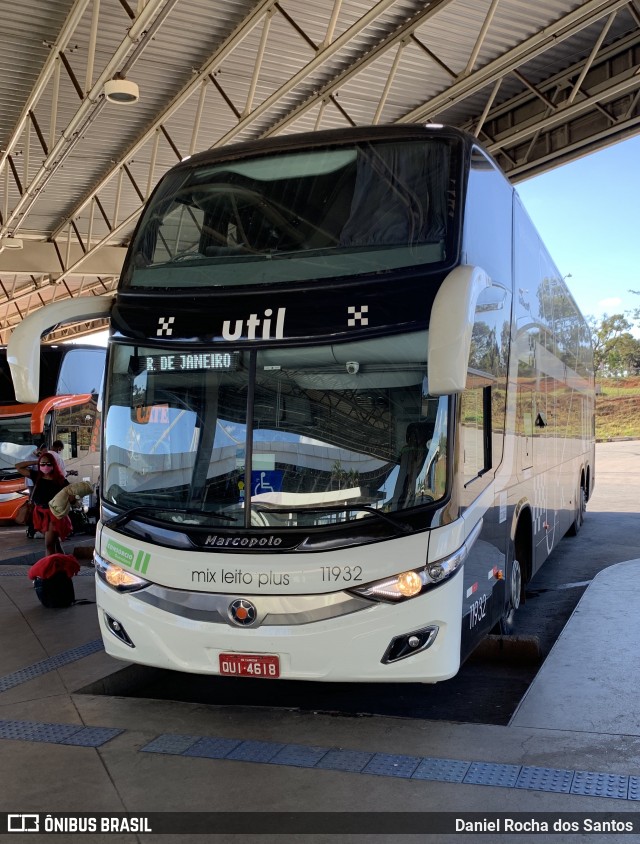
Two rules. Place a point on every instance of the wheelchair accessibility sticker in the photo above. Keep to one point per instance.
(266, 481)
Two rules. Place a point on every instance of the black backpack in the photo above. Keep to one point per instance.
(56, 591)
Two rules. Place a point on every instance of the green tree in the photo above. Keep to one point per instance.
(626, 355)
(608, 346)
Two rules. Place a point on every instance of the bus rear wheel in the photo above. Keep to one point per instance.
(578, 519)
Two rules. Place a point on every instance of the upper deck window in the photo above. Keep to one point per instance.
(324, 213)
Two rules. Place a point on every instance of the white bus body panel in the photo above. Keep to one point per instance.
(450, 328)
(341, 648)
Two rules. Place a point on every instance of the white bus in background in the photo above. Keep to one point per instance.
(349, 410)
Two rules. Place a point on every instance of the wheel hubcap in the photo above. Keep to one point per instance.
(516, 584)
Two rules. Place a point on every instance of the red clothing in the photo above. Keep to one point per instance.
(48, 566)
(43, 520)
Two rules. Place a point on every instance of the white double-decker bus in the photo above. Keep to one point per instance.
(349, 410)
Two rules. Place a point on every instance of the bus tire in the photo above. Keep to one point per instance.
(514, 593)
(518, 574)
(578, 518)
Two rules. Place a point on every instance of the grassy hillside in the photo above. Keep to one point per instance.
(618, 408)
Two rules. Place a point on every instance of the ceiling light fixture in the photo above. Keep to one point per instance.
(121, 91)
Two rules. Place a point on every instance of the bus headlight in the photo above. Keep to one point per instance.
(118, 577)
(408, 584)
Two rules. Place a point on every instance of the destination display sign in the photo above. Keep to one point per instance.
(189, 362)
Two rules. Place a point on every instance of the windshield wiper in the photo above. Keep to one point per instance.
(192, 512)
(122, 518)
(399, 526)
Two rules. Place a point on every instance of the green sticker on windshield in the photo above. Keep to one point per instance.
(127, 557)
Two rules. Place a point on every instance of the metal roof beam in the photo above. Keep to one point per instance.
(432, 56)
(41, 283)
(391, 76)
(257, 65)
(629, 82)
(562, 29)
(237, 37)
(404, 30)
(487, 107)
(534, 90)
(481, 37)
(139, 35)
(537, 133)
(41, 258)
(319, 59)
(216, 60)
(594, 51)
(333, 20)
(81, 266)
(565, 79)
(543, 149)
(69, 27)
(571, 151)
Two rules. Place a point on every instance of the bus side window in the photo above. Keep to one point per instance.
(475, 420)
(488, 222)
(482, 403)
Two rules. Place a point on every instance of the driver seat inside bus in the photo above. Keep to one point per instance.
(412, 457)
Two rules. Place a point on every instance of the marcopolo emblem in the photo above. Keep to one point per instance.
(242, 612)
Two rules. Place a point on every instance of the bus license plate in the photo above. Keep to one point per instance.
(250, 665)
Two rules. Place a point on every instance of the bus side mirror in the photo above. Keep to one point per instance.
(23, 349)
(451, 327)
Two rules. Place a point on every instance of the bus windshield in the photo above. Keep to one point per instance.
(284, 437)
(326, 213)
(16, 441)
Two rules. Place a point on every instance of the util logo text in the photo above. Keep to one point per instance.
(256, 327)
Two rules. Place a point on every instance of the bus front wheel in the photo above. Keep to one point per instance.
(514, 587)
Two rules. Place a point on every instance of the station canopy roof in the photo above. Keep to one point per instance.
(539, 83)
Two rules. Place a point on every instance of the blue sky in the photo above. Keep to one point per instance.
(588, 214)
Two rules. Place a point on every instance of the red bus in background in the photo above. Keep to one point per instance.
(67, 410)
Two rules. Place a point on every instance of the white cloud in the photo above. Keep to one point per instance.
(613, 302)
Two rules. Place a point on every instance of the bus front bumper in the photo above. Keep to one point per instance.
(352, 647)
